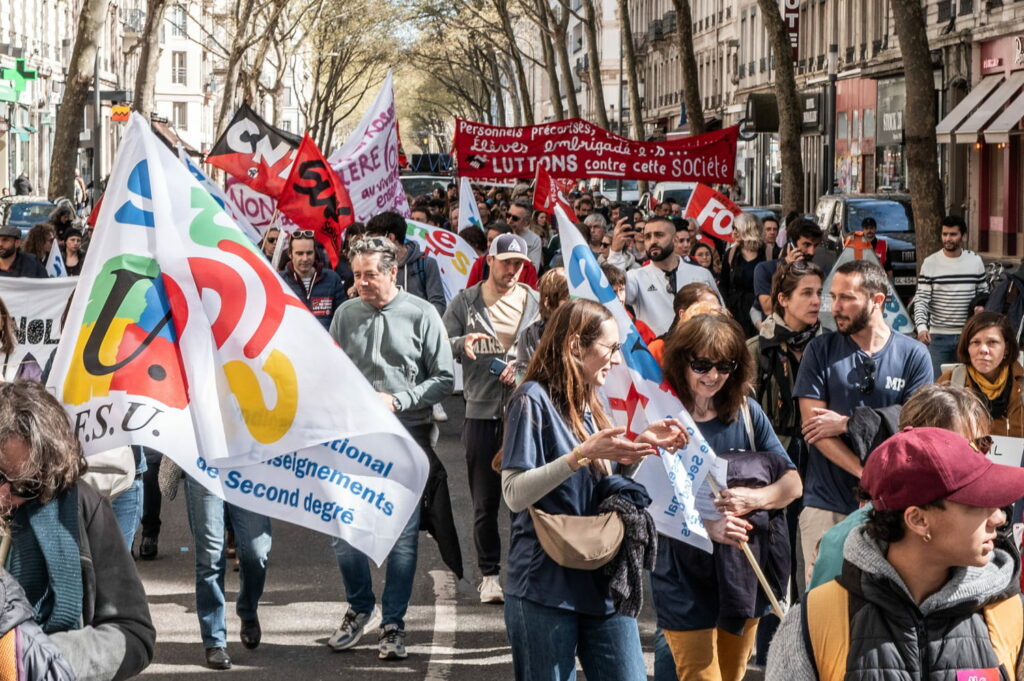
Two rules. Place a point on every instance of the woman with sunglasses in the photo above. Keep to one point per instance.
(709, 622)
(559, 452)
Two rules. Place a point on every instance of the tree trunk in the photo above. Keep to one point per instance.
(790, 121)
(594, 67)
(525, 100)
(499, 91)
(919, 125)
(632, 84)
(149, 57)
(551, 67)
(71, 115)
(560, 24)
(688, 64)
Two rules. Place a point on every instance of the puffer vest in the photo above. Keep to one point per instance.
(889, 639)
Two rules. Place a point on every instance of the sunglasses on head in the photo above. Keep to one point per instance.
(867, 386)
(303, 234)
(701, 365)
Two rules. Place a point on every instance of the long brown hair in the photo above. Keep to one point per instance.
(8, 337)
(718, 338)
(557, 362)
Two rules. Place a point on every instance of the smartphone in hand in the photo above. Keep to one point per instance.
(497, 366)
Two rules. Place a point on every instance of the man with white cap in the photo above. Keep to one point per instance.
(483, 323)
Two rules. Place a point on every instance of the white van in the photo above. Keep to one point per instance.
(677, 191)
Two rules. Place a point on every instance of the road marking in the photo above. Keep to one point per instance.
(445, 625)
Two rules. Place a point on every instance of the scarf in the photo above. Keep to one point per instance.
(45, 560)
(778, 334)
(991, 389)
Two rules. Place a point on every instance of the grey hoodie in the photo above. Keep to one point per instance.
(788, 657)
(419, 275)
(485, 394)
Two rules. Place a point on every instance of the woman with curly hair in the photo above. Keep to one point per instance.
(39, 241)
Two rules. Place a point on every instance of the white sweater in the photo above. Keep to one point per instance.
(945, 288)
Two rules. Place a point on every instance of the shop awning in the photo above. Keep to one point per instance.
(999, 129)
(944, 130)
(169, 135)
(970, 131)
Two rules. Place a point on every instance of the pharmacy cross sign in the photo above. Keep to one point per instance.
(12, 81)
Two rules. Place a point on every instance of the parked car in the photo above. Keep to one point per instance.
(840, 215)
(762, 212)
(419, 185)
(25, 212)
(609, 189)
(677, 191)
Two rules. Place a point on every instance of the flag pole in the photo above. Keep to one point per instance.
(279, 246)
(745, 547)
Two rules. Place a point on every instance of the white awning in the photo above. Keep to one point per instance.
(999, 129)
(971, 130)
(944, 130)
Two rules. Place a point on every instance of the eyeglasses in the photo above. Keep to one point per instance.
(303, 234)
(612, 349)
(606, 244)
(983, 444)
(701, 365)
(513, 218)
(867, 386)
(271, 240)
(23, 489)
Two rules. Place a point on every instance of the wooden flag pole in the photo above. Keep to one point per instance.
(717, 491)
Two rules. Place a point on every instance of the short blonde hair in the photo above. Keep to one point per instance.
(748, 231)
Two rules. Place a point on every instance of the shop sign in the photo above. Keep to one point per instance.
(14, 81)
(791, 17)
(892, 95)
(810, 112)
(120, 113)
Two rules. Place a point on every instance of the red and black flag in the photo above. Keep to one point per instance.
(255, 152)
(315, 198)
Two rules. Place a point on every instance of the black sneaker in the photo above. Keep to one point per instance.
(251, 633)
(217, 658)
(147, 548)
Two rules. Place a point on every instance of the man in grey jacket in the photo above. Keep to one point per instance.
(483, 323)
(399, 344)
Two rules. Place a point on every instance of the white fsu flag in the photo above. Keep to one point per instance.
(638, 395)
(181, 337)
(454, 256)
(469, 212)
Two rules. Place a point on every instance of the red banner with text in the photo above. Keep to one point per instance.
(576, 148)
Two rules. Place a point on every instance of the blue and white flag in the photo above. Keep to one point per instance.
(639, 395)
(55, 266)
(221, 197)
(469, 212)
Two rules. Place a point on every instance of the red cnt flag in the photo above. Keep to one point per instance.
(546, 194)
(315, 198)
(255, 152)
(714, 212)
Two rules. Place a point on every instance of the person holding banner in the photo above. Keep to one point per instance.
(398, 342)
(708, 605)
(988, 367)
(559, 452)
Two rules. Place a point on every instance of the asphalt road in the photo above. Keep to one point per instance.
(450, 635)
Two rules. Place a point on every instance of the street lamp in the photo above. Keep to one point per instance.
(830, 121)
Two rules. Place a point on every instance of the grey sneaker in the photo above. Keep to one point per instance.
(352, 627)
(391, 643)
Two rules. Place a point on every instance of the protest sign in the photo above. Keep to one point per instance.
(183, 338)
(35, 306)
(894, 311)
(576, 148)
(638, 395)
(454, 256)
(368, 162)
(714, 212)
(1008, 451)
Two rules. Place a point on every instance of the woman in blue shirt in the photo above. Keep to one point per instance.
(558, 445)
(708, 605)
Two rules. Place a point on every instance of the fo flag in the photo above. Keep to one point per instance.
(546, 194)
(714, 212)
(182, 337)
(314, 198)
(638, 396)
(255, 152)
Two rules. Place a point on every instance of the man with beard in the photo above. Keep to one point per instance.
(862, 363)
(651, 288)
(13, 261)
(950, 283)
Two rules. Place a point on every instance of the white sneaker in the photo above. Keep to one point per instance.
(440, 415)
(490, 590)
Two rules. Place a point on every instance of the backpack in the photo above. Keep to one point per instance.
(826, 630)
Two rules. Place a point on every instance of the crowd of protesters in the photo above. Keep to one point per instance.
(857, 472)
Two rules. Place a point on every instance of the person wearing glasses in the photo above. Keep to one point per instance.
(317, 286)
(398, 342)
(708, 604)
(418, 273)
(518, 218)
(67, 551)
(269, 242)
(861, 363)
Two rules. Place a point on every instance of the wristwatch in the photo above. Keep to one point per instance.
(581, 461)
(396, 404)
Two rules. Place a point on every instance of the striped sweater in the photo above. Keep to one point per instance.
(945, 289)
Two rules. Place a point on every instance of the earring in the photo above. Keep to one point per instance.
(927, 537)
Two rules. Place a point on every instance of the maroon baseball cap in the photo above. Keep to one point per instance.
(921, 465)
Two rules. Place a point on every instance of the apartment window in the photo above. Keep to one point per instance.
(286, 125)
(179, 68)
(180, 115)
(179, 22)
(286, 97)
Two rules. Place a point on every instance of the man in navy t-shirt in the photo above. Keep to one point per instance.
(804, 238)
(863, 363)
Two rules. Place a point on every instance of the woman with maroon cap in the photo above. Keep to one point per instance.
(926, 590)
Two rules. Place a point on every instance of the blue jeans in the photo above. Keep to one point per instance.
(943, 350)
(664, 663)
(128, 511)
(546, 641)
(401, 570)
(206, 515)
